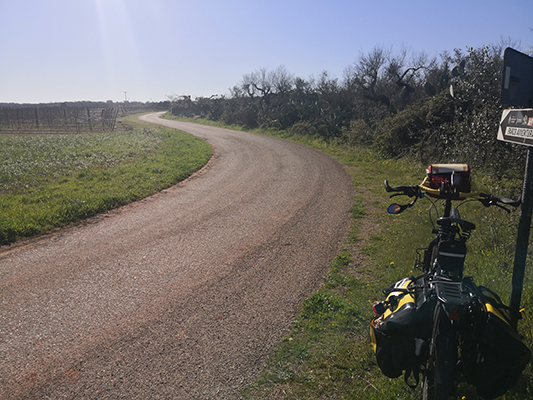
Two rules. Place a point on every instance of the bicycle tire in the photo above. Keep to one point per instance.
(438, 378)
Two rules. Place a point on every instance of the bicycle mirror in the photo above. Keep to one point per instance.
(395, 209)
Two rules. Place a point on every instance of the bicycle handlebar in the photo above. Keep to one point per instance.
(415, 191)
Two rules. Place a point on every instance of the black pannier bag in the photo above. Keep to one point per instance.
(396, 333)
(394, 354)
(502, 355)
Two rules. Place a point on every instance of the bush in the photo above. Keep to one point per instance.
(421, 128)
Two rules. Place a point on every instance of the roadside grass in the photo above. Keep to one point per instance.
(328, 354)
(49, 181)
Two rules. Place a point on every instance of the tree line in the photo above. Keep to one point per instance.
(432, 109)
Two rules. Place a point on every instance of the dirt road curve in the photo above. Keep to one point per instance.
(182, 295)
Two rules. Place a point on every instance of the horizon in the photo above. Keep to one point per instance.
(81, 101)
(100, 50)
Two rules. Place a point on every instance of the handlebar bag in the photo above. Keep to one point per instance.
(451, 176)
(502, 355)
(455, 175)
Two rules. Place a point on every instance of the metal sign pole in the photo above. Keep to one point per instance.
(517, 127)
(522, 241)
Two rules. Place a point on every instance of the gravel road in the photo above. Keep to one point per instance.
(181, 295)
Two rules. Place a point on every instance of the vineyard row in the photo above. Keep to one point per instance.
(57, 119)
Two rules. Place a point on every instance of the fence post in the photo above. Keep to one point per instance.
(115, 115)
(89, 118)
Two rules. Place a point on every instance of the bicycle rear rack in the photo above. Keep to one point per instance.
(452, 293)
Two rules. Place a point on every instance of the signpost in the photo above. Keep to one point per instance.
(516, 126)
(517, 79)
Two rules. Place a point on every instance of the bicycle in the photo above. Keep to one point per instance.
(441, 324)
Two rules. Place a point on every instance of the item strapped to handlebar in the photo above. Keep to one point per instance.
(457, 195)
(451, 181)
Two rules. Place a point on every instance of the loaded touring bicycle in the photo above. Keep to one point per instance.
(440, 328)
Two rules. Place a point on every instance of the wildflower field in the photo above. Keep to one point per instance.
(51, 180)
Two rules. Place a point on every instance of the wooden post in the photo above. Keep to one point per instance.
(89, 118)
(37, 117)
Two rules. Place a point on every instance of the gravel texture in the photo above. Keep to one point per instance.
(181, 295)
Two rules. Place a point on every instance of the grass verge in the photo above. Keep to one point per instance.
(56, 180)
(328, 354)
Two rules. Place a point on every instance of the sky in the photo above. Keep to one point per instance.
(148, 50)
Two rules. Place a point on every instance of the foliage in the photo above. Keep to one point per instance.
(419, 130)
(376, 87)
(458, 128)
(477, 90)
(399, 103)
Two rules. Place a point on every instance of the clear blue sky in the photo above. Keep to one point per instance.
(69, 50)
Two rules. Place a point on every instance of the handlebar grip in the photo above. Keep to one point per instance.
(509, 202)
(410, 191)
(388, 188)
(490, 199)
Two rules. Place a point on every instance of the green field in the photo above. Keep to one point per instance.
(52, 180)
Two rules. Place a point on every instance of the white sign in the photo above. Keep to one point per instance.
(516, 126)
